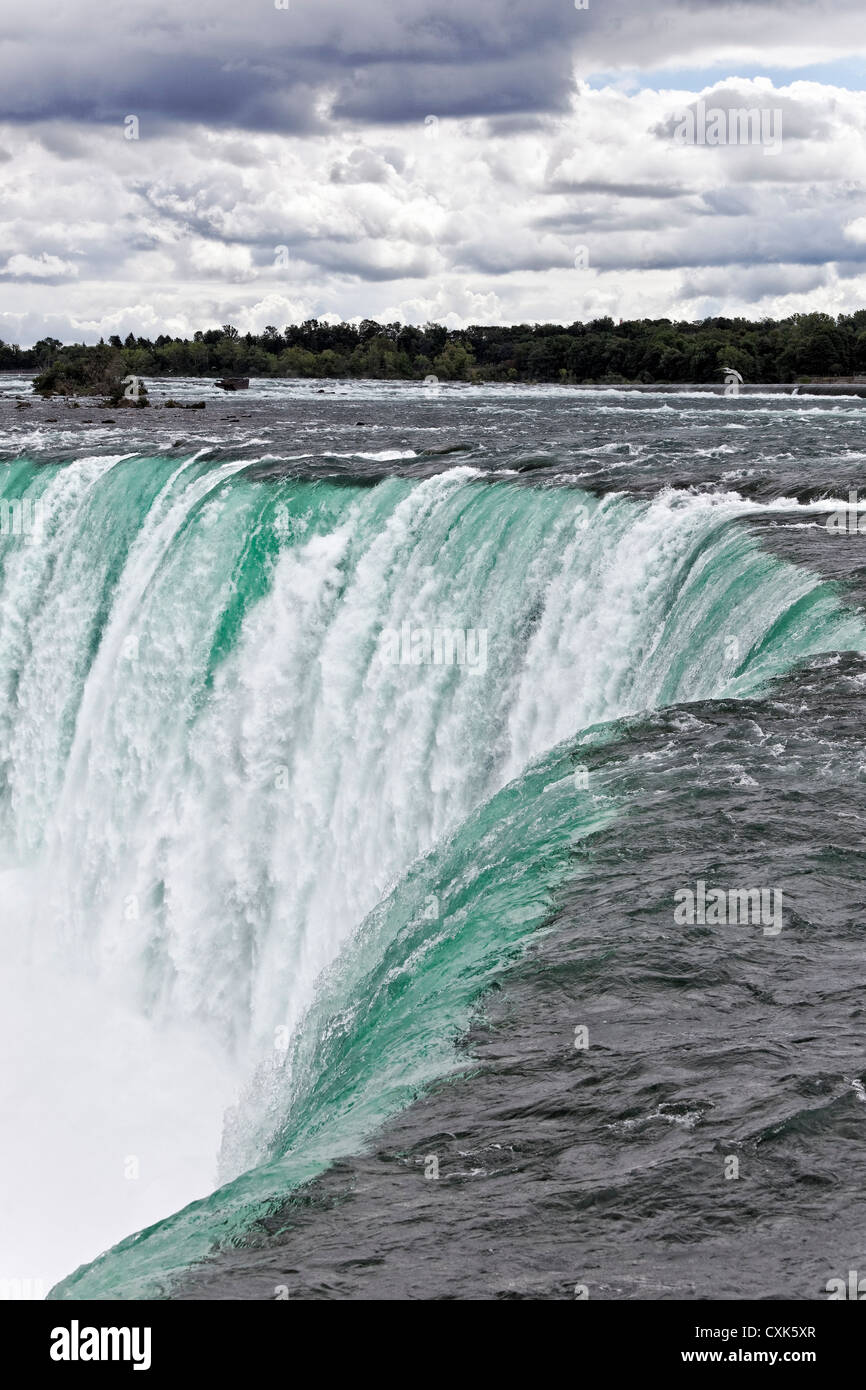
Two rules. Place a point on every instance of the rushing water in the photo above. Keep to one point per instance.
(260, 873)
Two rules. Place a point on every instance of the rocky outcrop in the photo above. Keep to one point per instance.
(99, 371)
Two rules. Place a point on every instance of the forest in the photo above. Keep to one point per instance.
(602, 352)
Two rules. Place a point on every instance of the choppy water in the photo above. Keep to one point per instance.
(291, 929)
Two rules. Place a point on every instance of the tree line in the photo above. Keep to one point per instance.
(601, 352)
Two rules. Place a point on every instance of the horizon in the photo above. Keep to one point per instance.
(333, 321)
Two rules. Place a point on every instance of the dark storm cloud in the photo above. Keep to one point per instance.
(257, 67)
(512, 85)
(261, 68)
(166, 89)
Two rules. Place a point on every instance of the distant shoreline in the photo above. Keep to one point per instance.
(840, 386)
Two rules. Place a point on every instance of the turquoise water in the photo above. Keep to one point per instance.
(223, 805)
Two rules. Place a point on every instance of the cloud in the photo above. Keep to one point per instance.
(361, 166)
(267, 69)
(64, 142)
(254, 67)
(42, 267)
(418, 161)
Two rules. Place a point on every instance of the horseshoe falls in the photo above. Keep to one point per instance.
(267, 846)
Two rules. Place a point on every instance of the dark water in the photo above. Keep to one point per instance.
(606, 1167)
(763, 447)
(707, 1141)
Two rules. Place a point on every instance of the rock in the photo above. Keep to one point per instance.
(234, 383)
(99, 371)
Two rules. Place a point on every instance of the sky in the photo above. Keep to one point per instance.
(166, 167)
